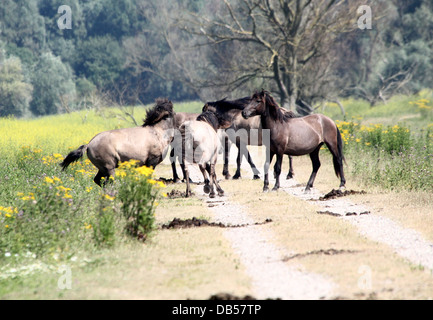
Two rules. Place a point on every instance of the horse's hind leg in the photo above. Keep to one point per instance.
(209, 183)
(102, 177)
(173, 166)
(277, 171)
(206, 187)
(314, 156)
(215, 180)
(291, 173)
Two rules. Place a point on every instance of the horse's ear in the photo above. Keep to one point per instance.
(205, 107)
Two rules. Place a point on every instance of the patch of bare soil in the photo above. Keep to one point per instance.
(175, 194)
(338, 193)
(347, 214)
(228, 296)
(328, 252)
(177, 223)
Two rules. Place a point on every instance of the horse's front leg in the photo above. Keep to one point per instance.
(269, 157)
(277, 171)
(238, 160)
(226, 172)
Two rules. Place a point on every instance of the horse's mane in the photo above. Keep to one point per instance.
(273, 110)
(153, 115)
(211, 118)
(226, 105)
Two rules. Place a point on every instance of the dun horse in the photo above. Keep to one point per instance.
(233, 110)
(200, 145)
(296, 137)
(148, 144)
(179, 119)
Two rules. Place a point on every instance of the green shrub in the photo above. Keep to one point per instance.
(138, 194)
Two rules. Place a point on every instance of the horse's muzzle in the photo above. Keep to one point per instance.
(245, 114)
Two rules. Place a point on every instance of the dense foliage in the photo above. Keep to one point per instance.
(132, 51)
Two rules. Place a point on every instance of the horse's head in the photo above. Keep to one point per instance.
(162, 110)
(257, 105)
(215, 120)
(210, 106)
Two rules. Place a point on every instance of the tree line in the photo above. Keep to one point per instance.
(129, 52)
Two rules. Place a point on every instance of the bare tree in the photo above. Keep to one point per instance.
(274, 40)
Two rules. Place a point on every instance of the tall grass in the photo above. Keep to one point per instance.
(392, 157)
(50, 214)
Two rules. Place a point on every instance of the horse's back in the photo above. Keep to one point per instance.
(200, 138)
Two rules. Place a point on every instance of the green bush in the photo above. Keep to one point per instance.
(138, 194)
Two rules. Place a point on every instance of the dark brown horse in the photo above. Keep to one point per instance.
(179, 119)
(200, 145)
(296, 137)
(251, 126)
(148, 143)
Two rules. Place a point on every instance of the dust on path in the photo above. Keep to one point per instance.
(405, 242)
(263, 261)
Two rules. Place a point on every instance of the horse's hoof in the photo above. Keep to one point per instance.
(307, 190)
(206, 189)
(342, 188)
(212, 195)
(265, 190)
(221, 194)
(289, 176)
(274, 189)
(256, 177)
(227, 176)
(236, 177)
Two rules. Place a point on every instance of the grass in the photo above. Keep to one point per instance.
(196, 263)
(299, 229)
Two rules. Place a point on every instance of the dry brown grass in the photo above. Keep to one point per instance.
(301, 230)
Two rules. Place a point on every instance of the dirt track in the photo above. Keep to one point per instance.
(265, 262)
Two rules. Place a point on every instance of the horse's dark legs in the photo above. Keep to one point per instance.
(247, 155)
(103, 175)
(188, 186)
(314, 156)
(277, 171)
(209, 182)
(291, 172)
(173, 167)
(238, 161)
(226, 173)
(212, 173)
(269, 157)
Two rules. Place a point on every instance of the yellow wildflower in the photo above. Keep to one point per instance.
(49, 180)
(108, 197)
(145, 171)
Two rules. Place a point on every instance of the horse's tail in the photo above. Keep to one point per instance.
(338, 158)
(73, 156)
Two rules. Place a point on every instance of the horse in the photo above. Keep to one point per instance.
(179, 119)
(295, 137)
(232, 110)
(148, 144)
(200, 145)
